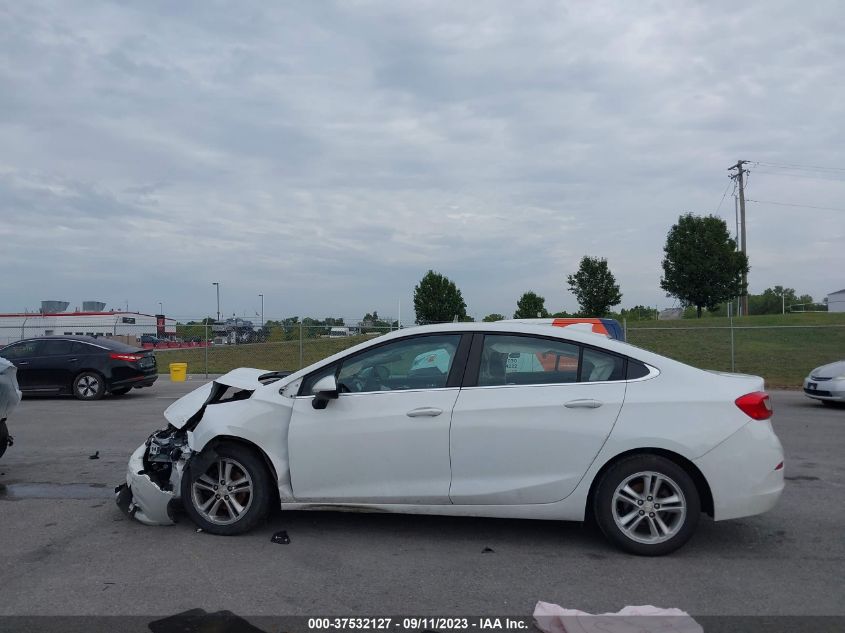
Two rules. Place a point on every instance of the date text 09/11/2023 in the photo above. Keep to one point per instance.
(417, 623)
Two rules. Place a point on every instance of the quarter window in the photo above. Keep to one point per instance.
(525, 360)
(420, 362)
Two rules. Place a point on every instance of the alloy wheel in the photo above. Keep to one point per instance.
(223, 493)
(649, 507)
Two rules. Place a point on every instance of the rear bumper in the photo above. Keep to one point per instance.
(742, 472)
(145, 380)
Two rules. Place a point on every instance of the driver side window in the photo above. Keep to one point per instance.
(420, 362)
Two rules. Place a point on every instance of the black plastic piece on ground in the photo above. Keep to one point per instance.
(488, 550)
(281, 538)
(96, 455)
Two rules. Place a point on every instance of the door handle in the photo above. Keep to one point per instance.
(585, 403)
(72, 360)
(23, 362)
(424, 412)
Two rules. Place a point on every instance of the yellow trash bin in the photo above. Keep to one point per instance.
(178, 372)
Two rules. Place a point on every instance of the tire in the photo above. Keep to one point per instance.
(631, 519)
(208, 505)
(89, 385)
(121, 392)
(4, 437)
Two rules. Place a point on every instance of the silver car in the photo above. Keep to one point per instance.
(827, 383)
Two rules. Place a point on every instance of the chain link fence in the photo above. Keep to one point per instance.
(783, 354)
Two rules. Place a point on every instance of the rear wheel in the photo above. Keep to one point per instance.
(231, 495)
(647, 505)
(89, 385)
(121, 392)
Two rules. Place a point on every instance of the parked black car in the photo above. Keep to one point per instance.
(83, 366)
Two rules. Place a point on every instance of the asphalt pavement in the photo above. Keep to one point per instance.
(65, 548)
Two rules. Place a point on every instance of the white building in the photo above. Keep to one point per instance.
(836, 301)
(16, 326)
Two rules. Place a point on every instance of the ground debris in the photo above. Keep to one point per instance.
(488, 550)
(280, 538)
(96, 455)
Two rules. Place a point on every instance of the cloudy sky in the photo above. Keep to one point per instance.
(326, 154)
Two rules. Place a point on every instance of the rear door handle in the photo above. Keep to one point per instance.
(585, 403)
(424, 412)
(23, 362)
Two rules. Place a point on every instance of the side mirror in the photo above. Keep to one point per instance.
(324, 390)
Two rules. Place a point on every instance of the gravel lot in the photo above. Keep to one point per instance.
(65, 548)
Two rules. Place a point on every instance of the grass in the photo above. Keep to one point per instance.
(782, 355)
(282, 356)
(762, 346)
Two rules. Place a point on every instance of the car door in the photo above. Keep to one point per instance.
(532, 415)
(22, 355)
(385, 438)
(52, 368)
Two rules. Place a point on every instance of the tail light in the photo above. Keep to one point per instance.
(130, 357)
(755, 405)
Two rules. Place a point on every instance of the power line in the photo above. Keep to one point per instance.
(800, 167)
(723, 196)
(819, 176)
(789, 204)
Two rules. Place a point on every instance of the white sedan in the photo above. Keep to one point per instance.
(472, 419)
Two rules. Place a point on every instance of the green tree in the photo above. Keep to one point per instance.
(490, 318)
(595, 287)
(437, 299)
(530, 306)
(639, 313)
(701, 266)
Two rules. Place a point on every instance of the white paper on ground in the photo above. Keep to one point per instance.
(552, 618)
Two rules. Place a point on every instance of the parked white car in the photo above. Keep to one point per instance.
(827, 383)
(453, 420)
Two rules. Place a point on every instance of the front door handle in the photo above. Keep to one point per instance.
(72, 360)
(424, 412)
(585, 403)
(23, 362)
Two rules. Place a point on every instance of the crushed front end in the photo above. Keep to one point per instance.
(153, 477)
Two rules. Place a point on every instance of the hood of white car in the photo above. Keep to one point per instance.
(831, 370)
(185, 407)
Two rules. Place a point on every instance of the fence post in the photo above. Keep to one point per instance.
(206, 349)
(300, 346)
(731, 324)
(625, 328)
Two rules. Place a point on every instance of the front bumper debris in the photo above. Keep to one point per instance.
(153, 477)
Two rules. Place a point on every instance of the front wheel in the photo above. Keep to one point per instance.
(647, 505)
(231, 495)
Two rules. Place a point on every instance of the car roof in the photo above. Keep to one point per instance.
(99, 341)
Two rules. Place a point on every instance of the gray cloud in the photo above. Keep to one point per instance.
(328, 154)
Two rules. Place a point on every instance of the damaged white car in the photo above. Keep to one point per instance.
(475, 419)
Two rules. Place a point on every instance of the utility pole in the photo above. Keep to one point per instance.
(740, 172)
(262, 309)
(217, 284)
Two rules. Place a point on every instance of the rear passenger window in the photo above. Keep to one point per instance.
(598, 366)
(526, 360)
(56, 348)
